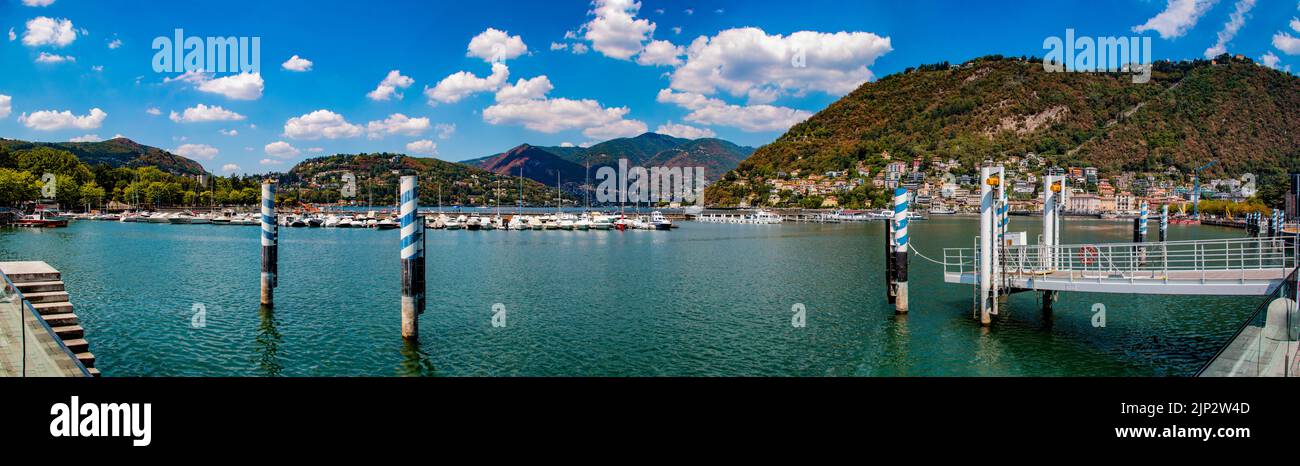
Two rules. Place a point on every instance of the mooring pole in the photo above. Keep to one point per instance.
(270, 244)
(1164, 223)
(986, 246)
(900, 250)
(1141, 233)
(889, 261)
(410, 245)
(1048, 243)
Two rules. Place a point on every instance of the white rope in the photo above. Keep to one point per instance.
(918, 253)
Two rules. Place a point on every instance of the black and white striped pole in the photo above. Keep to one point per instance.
(270, 244)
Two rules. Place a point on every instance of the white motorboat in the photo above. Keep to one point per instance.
(517, 223)
(659, 222)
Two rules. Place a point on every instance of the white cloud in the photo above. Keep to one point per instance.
(202, 113)
(243, 86)
(12, 36)
(1178, 17)
(96, 68)
(153, 111)
(617, 129)
(445, 130)
(689, 11)
(553, 115)
(320, 124)
(558, 46)
(86, 138)
(566, 144)
(749, 62)
(389, 86)
(1270, 60)
(661, 53)
(463, 84)
(579, 48)
(281, 149)
(6, 105)
(750, 118)
(684, 131)
(1286, 43)
(525, 89)
(615, 31)
(54, 58)
(296, 63)
(495, 46)
(422, 147)
(191, 77)
(49, 120)
(49, 31)
(38, 3)
(229, 168)
(315, 150)
(1235, 21)
(397, 123)
(1295, 24)
(229, 132)
(677, 30)
(115, 44)
(196, 151)
(270, 162)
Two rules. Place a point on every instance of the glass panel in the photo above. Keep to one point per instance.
(29, 347)
(1266, 346)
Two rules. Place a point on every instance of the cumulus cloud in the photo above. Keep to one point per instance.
(397, 123)
(38, 3)
(229, 168)
(243, 86)
(1178, 17)
(1235, 21)
(422, 147)
(684, 131)
(281, 149)
(525, 89)
(615, 31)
(750, 118)
(115, 44)
(202, 113)
(86, 138)
(749, 62)
(496, 46)
(387, 88)
(1287, 43)
(320, 124)
(463, 84)
(54, 58)
(196, 151)
(553, 115)
(1269, 59)
(296, 63)
(661, 53)
(49, 120)
(6, 105)
(229, 132)
(579, 49)
(49, 31)
(445, 130)
(270, 162)
(12, 36)
(617, 129)
(558, 46)
(153, 111)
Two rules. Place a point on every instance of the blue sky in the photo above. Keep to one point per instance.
(590, 71)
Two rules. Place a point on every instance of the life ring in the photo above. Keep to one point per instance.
(1088, 255)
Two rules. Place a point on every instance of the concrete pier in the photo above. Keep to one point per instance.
(49, 344)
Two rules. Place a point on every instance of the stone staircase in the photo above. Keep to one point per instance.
(43, 287)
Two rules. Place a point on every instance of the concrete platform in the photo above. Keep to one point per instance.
(1253, 282)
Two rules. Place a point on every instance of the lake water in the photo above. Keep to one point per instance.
(702, 300)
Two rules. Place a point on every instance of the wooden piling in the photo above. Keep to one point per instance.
(270, 244)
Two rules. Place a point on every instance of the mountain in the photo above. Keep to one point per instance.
(440, 181)
(534, 163)
(1231, 110)
(647, 150)
(117, 152)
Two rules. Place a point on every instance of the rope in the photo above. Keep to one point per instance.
(918, 253)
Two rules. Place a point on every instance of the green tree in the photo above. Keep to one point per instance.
(59, 162)
(17, 187)
(92, 194)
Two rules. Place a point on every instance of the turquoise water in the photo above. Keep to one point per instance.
(705, 299)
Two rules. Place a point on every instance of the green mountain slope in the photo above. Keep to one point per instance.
(320, 180)
(119, 152)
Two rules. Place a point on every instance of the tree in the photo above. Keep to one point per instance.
(91, 194)
(17, 187)
(43, 160)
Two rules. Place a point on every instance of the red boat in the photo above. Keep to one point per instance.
(43, 217)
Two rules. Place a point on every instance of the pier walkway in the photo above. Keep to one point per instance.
(39, 334)
(1222, 267)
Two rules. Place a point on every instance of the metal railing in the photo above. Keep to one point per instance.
(28, 346)
(1127, 260)
(1267, 345)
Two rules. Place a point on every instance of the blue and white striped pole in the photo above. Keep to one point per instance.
(1142, 224)
(270, 244)
(1164, 223)
(900, 249)
(411, 240)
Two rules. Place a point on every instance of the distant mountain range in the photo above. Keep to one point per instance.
(118, 152)
(543, 164)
